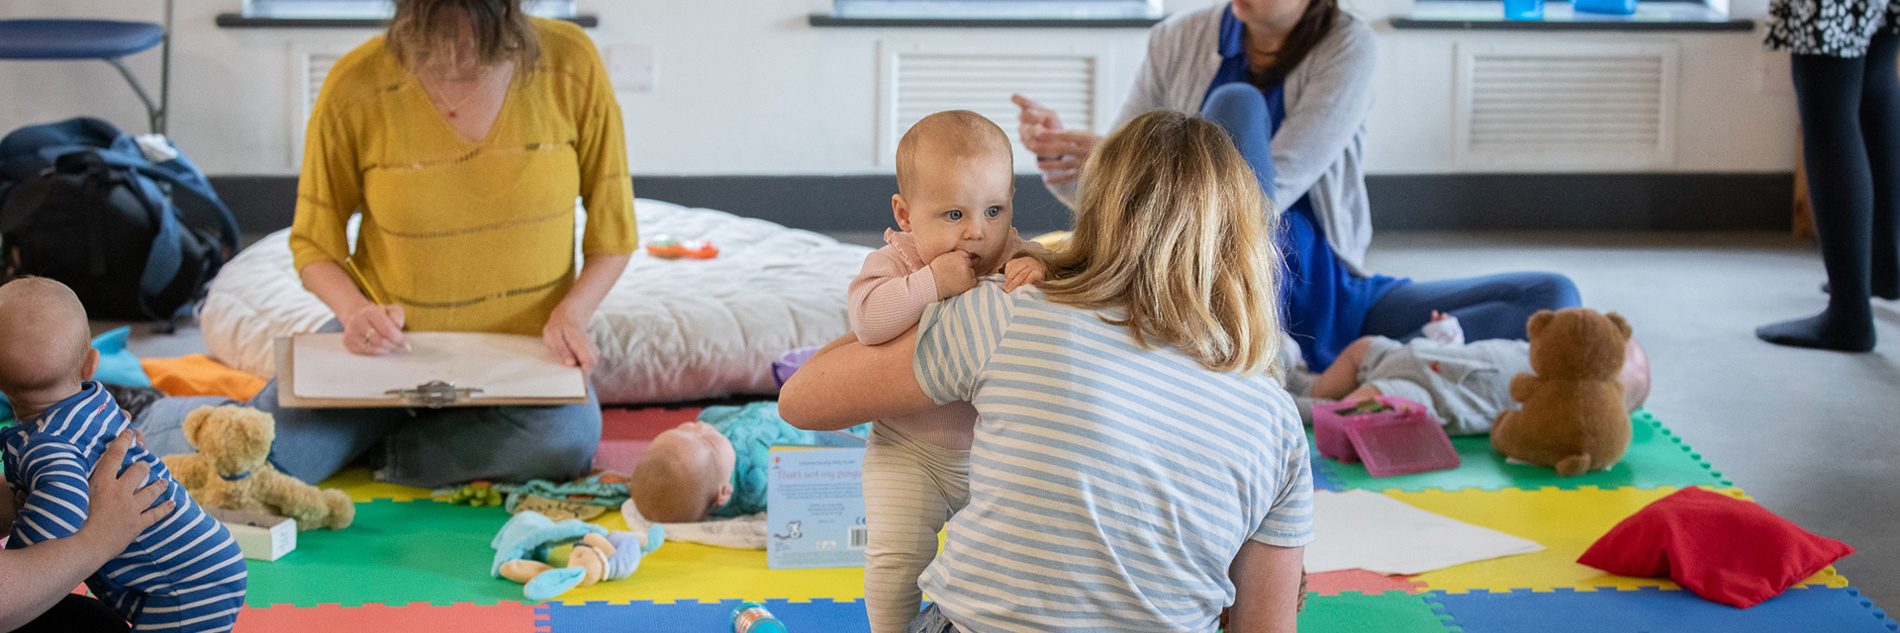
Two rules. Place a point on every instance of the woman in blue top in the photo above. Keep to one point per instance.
(1291, 82)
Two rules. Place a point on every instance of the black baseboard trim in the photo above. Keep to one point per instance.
(261, 203)
(1582, 202)
(1435, 202)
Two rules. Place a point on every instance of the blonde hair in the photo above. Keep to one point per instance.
(1172, 240)
(423, 33)
(961, 134)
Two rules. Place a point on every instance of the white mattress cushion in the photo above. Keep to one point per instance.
(669, 331)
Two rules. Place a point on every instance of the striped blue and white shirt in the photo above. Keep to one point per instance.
(1110, 486)
(184, 573)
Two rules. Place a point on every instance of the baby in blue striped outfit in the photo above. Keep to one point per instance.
(184, 573)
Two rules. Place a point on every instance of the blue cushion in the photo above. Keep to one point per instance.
(116, 365)
(76, 39)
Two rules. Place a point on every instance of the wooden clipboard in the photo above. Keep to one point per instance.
(287, 396)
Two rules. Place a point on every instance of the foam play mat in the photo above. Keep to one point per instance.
(413, 562)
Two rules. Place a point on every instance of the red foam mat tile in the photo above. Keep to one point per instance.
(1333, 583)
(506, 617)
(642, 424)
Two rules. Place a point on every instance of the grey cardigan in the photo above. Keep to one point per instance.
(1320, 147)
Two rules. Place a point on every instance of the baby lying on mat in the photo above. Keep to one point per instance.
(715, 466)
(1466, 384)
(183, 574)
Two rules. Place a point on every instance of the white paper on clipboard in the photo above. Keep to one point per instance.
(500, 365)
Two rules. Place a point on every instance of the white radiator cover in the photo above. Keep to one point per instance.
(1601, 107)
(918, 79)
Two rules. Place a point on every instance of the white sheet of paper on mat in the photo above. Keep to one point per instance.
(501, 365)
(741, 532)
(1360, 529)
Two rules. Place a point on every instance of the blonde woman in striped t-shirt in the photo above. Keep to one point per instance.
(1136, 465)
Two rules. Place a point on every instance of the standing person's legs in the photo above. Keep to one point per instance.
(1880, 128)
(1489, 307)
(1840, 184)
(1241, 110)
(506, 443)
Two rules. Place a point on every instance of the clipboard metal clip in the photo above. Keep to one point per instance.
(434, 394)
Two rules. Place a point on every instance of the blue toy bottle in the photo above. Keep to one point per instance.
(752, 617)
(1523, 9)
(1612, 7)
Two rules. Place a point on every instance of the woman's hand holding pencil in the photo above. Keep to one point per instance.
(374, 329)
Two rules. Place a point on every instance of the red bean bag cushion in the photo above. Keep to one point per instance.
(1724, 549)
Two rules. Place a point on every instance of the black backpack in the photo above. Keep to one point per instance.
(136, 240)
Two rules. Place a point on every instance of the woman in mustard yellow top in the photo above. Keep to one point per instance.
(463, 137)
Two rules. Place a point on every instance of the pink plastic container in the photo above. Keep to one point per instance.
(1403, 439)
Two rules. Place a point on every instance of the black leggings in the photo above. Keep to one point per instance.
(1850, 125)
(1850, 128)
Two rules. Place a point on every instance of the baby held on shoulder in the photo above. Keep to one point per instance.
(183, 574)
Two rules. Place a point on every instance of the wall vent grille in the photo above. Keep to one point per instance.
(921, 82)
(1608, 107)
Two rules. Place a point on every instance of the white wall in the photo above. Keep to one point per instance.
(747, 87)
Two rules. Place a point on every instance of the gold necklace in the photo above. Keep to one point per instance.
(479, 88)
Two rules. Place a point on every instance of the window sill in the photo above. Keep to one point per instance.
(240, 21)
(833, 20)
(1480, 15)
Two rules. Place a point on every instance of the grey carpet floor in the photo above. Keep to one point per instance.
(1813, 436)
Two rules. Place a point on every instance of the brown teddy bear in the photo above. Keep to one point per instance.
(229, 471)
(1573, 418)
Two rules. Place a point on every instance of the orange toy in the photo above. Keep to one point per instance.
(669, 248)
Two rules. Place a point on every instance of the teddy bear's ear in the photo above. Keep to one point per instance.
(1538, 321)
(257, 429)
(195, 423)
(1621, 325)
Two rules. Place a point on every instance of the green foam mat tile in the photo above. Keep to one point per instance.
(1389, 612)
(1656, 458)
(396, 552)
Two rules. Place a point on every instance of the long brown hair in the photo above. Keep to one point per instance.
(1315, 23)
(424, 33)
(1172, 241)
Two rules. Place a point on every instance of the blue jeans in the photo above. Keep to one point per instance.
(931, 620)
(1489, 307)
(428, 448)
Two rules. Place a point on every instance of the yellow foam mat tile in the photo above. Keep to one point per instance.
(691, 571)
(1566, 522)
(362, 487)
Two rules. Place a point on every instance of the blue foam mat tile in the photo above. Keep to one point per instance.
(1323, 477)
(664, 617)
(1652, 610)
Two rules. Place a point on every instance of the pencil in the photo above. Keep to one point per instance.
(362, 283)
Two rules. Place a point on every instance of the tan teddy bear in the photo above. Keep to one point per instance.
(1574, 418)
(229, 471)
